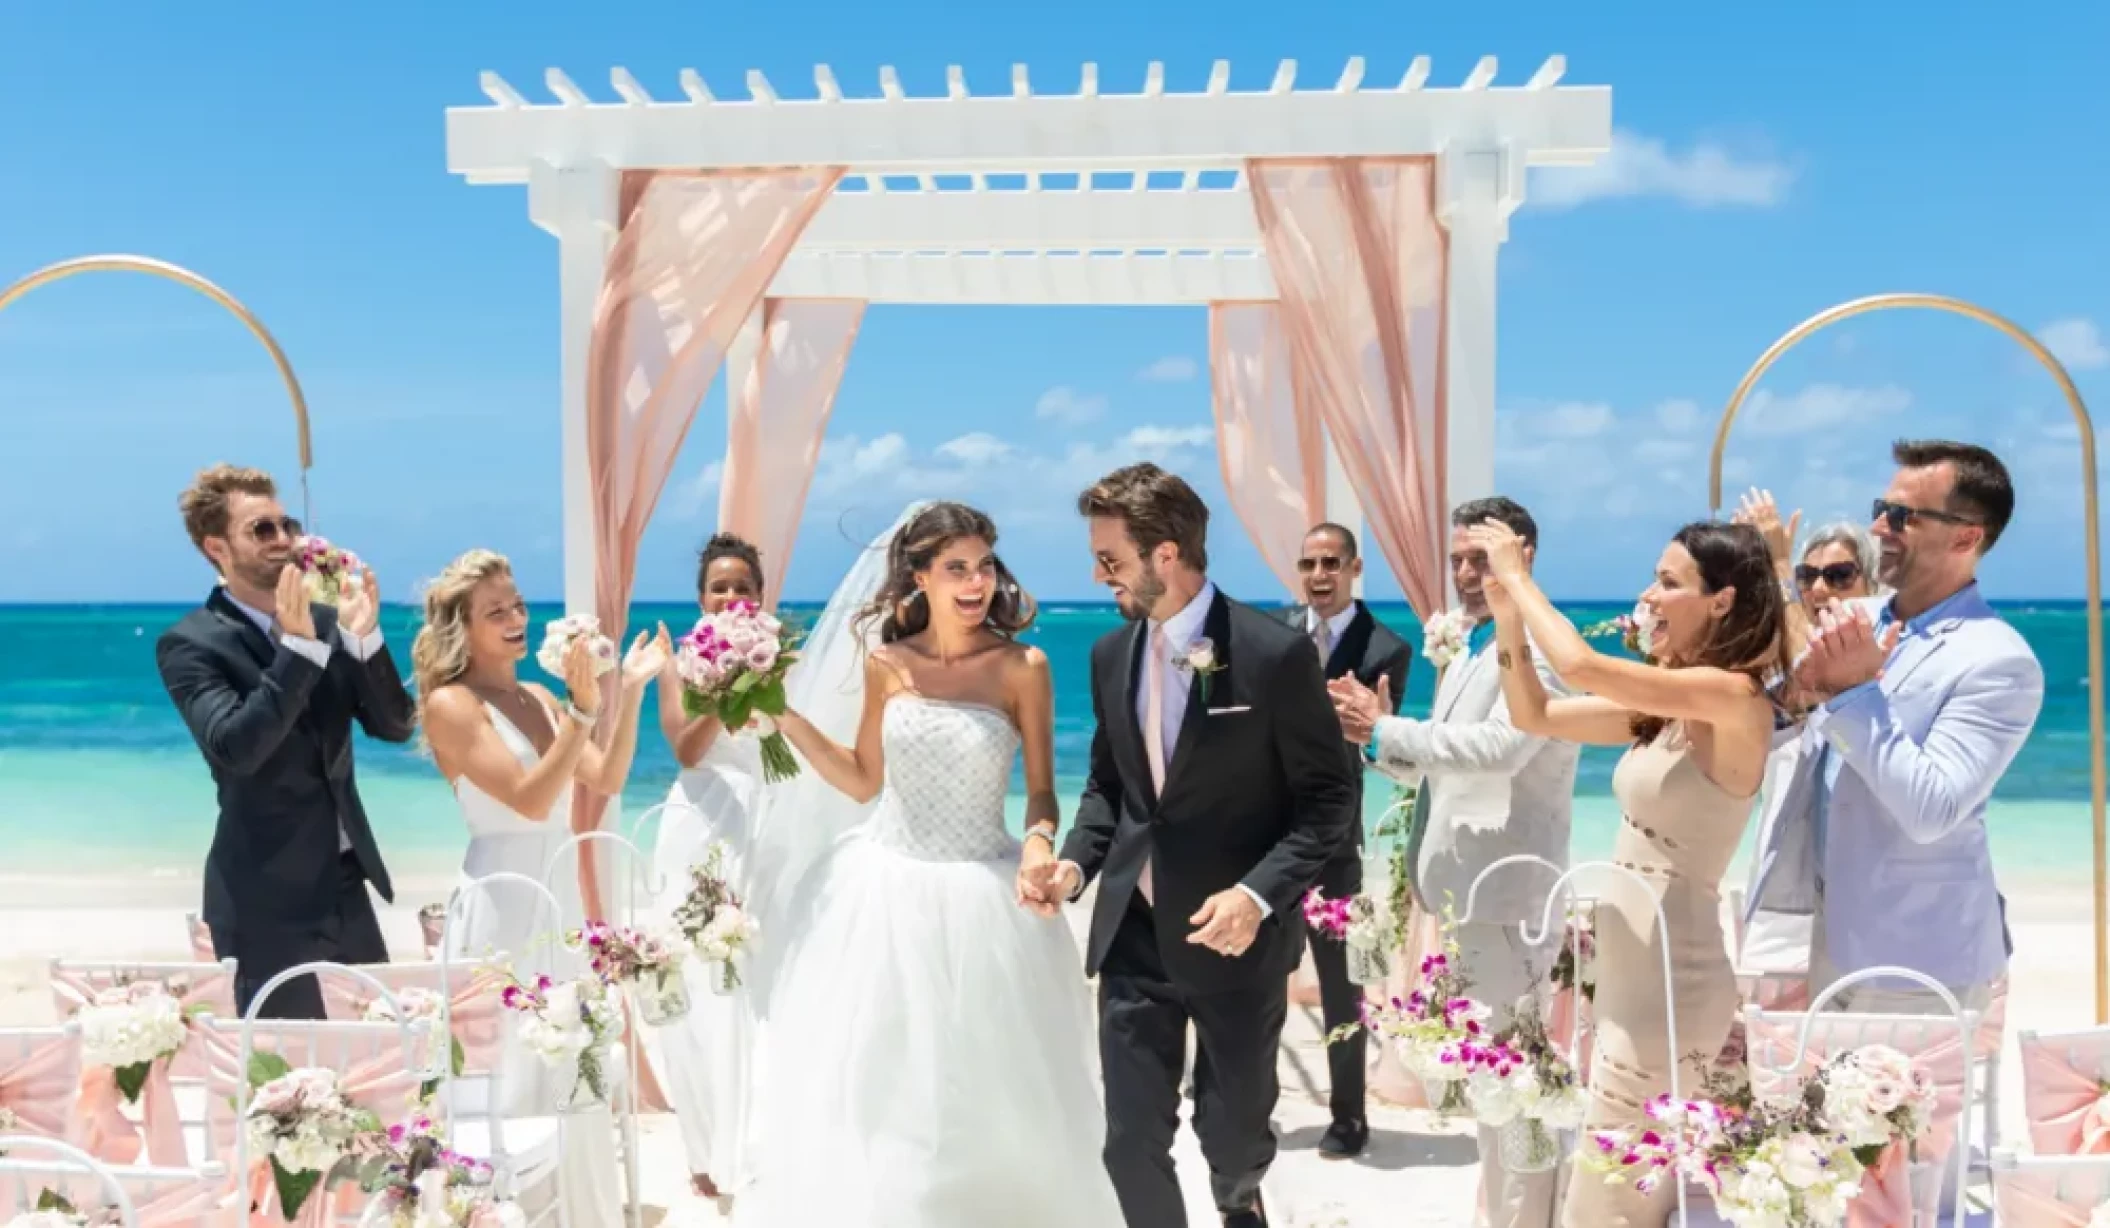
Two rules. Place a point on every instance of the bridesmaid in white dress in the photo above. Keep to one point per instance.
(512, 752)
(708, 1056)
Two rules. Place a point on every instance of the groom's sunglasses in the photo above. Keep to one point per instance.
(266, 531)
(1898, 515)
(1834, 575)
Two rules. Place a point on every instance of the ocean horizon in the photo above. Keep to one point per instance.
(98, 774)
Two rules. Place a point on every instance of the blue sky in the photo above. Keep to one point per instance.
(1769, 163)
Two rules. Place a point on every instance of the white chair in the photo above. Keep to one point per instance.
(2063, 1077)
(1787, 1047)
(141, 1197)
(2048, 1191)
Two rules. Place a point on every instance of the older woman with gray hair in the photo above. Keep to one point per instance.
(1836, 565)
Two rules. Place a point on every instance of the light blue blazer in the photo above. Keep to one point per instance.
(1908, 878)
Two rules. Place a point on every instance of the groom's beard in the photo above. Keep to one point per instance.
(1137, 600)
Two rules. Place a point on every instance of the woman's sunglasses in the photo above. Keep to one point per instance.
(1898, 515)
(1834, 575)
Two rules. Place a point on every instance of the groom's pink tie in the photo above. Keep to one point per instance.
(1154, 737)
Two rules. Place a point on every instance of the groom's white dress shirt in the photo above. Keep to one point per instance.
(361, 647)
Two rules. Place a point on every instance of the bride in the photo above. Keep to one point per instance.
(926, 1038)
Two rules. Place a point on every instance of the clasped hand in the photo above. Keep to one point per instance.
(1358, 706)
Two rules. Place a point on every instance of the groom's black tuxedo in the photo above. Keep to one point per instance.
(275, 728)
(1257, 793)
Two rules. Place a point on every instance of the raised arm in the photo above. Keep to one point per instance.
(1758, 510)
(381, 704)
(604, 769)
(1528, 703)
(467, 746)
(236, 732)
(856, 771)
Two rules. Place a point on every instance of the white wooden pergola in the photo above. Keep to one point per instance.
(1019, 197)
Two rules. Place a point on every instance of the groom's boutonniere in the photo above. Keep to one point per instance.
(1202, 663)
(1446, 636)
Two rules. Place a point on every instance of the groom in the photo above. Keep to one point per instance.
(1217, 792)
(269, 684)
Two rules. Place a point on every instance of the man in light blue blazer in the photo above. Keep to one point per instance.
(1924, 702)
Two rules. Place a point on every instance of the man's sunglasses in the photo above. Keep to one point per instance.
(1834, 575)
(264, 532)
(1898, 515)
(1320, 562)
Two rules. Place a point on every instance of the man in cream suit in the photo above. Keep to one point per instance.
(1486, 791)
(1924, 702)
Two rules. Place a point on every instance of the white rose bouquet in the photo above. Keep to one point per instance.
(325, 568)
(130, 1027)
(417, 1182)
(1875, 1096)
(732, 666)
(1444, 637)
(302, 1122)
(557, 641)
(569, 1024)
(713, 920)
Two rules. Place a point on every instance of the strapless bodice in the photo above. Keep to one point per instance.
(948, 770)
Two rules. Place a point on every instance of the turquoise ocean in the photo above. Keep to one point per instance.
(98, 776)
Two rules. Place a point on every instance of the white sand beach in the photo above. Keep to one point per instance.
(1418, 1171)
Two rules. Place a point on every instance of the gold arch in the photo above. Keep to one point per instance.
(182, 276)
(2091, 528)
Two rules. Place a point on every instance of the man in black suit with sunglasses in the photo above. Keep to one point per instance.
(269, 684)
(1352, 643)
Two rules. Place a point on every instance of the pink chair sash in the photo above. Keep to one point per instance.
(40, 1088)
(2020, 1204)
(475, 1010)
(185, 1207)
(107, 1133)
(2063, 1103)
(1886, 1189)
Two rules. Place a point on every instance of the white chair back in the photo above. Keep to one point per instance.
(30, 1166)
(2048, 1191)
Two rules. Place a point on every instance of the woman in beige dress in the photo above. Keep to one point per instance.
(1697, 724)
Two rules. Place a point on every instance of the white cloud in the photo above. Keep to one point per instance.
(696, 494)
(1171, 369)
(1705, 176)
(1678, 416)
(978, 448)
(1066, 404)
(2077, 342)
(1577, 420)
(1818, 407)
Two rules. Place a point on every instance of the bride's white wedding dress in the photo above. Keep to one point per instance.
(929, 1040)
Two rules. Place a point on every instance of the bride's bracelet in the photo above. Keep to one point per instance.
(1045, 833)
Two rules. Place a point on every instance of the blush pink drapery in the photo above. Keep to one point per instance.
(1360, 264)
(1268, 440)
(695, 256)
(778, 416)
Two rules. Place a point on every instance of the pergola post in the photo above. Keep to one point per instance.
(1477, 190)
(578, 205)
(1341, 507)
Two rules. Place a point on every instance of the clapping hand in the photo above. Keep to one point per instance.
(648, 652)
(1358, 706)
(1844, 653)
(295, 616)
(359, 606)
(1757, 509)
(1226, 922)
(582, 677)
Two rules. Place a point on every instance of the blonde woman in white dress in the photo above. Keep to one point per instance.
(707, 1057)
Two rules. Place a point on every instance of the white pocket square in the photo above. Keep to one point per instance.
(1231, 711)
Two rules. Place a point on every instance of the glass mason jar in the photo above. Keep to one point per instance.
(662, 998)
(588, 1081)
(1368, 965)
(1529, 1147)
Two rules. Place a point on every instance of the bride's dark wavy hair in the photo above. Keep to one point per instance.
(900, 610)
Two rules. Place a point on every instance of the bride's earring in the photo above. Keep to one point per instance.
(906, 604)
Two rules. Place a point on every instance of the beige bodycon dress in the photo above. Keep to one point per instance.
(1678, 833)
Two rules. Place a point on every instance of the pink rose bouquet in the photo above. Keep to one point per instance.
(732, 666)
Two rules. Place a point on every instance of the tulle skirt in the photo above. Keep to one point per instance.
(928, 1057)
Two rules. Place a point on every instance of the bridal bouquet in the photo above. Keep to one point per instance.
(557, 641)
(647, 964)
(325, 568)
(129, 1028)
(417, 1182)
(1526, 1087)
(713, 921)
(1440, 1033)
(570, 1024)
(1445, 636)
(1359, 926)
(301, 1120)
(732, 666)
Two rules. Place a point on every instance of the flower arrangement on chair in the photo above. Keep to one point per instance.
(301, 1121)
(417, 1182)
(128, 1028)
